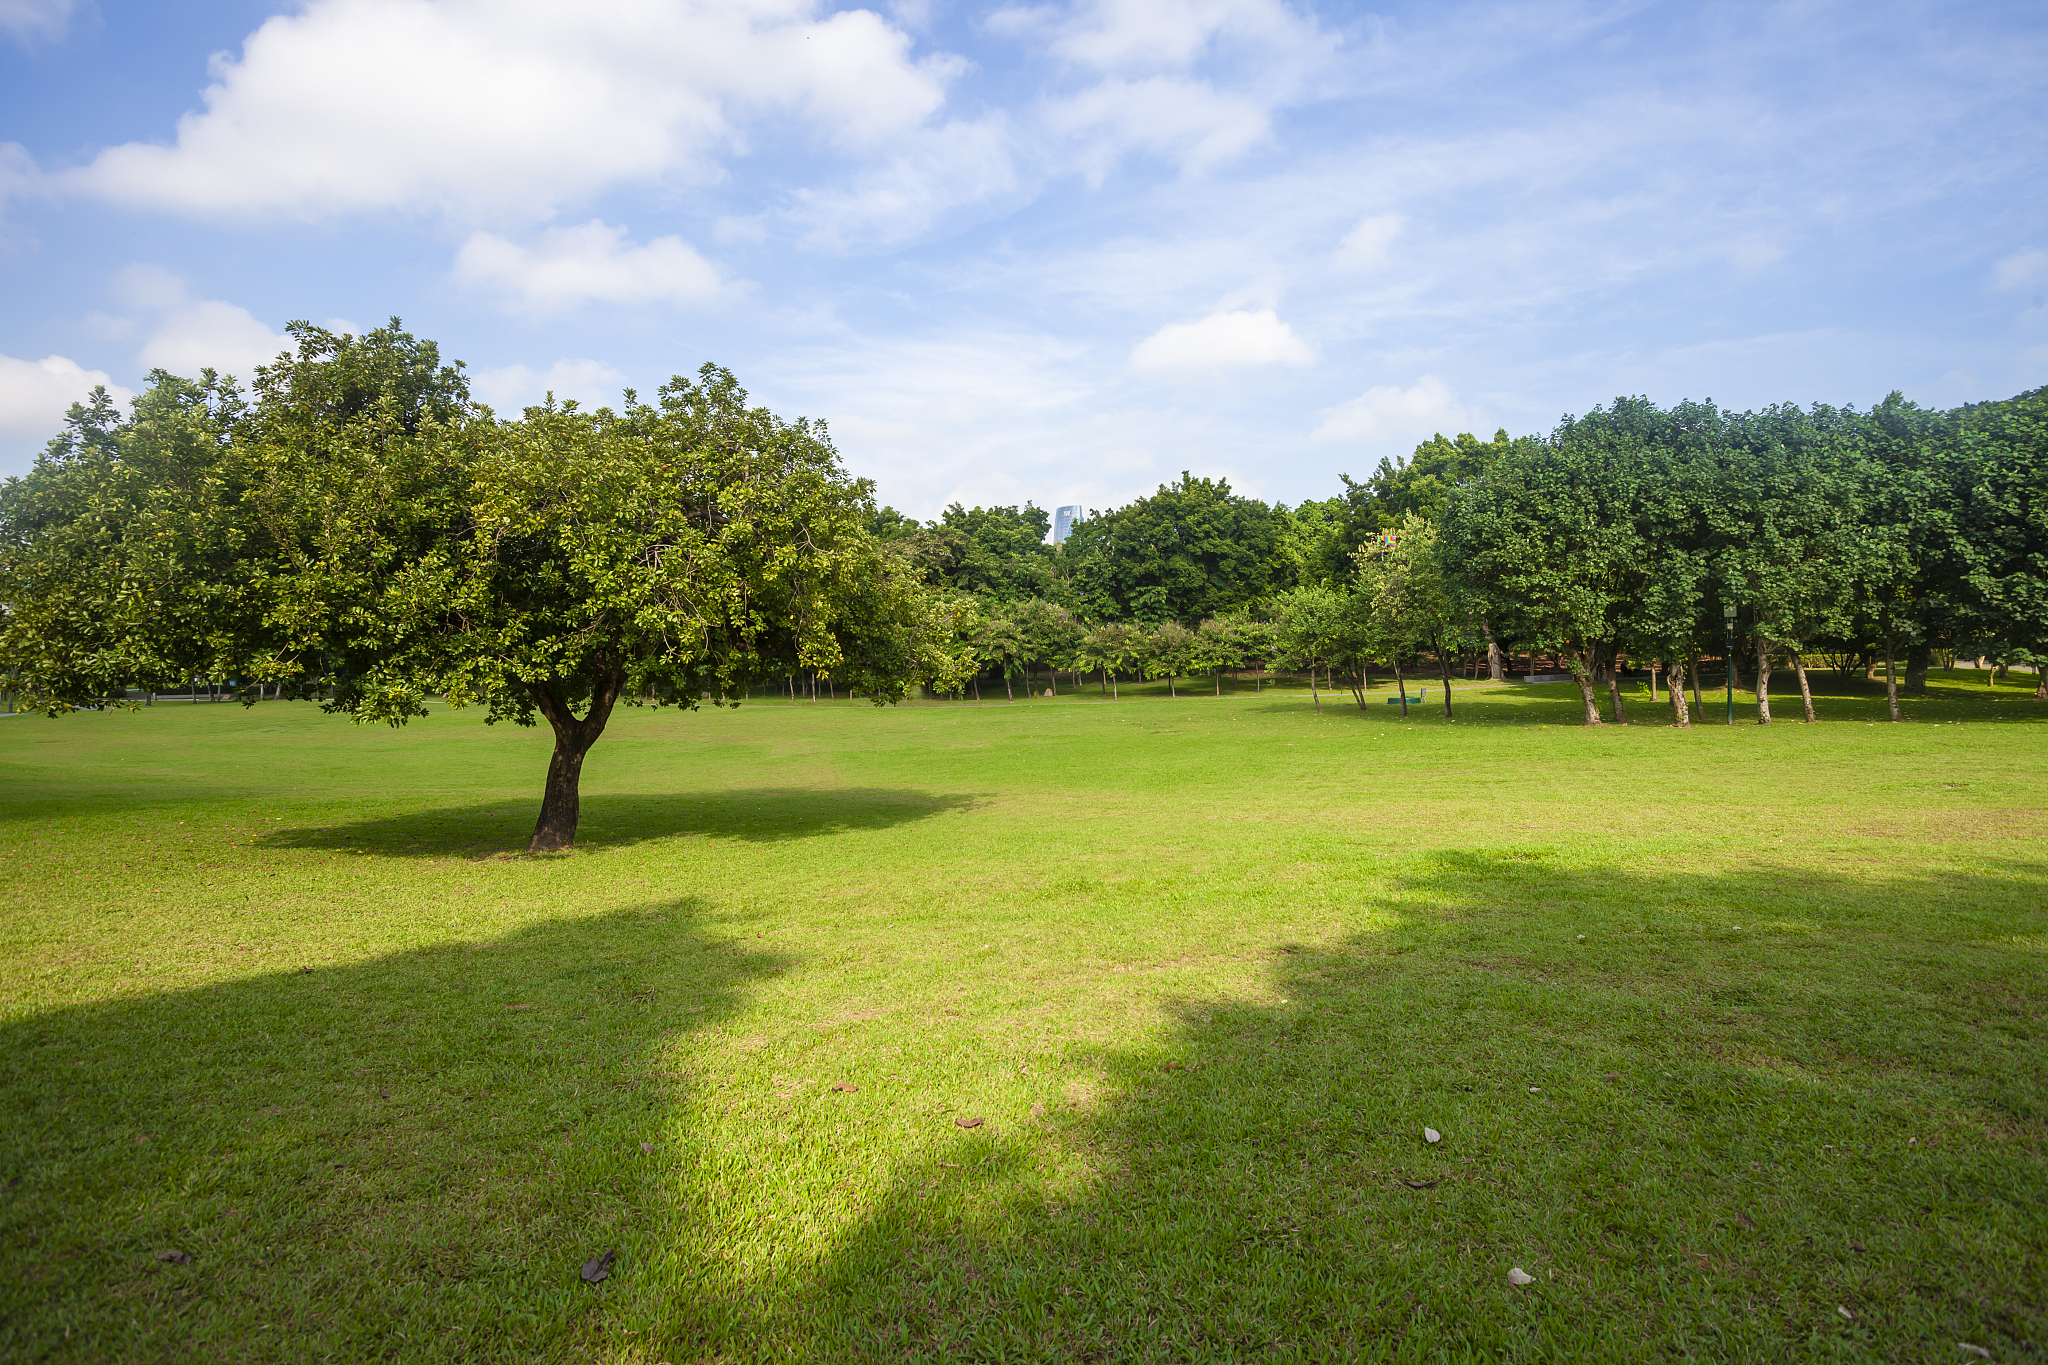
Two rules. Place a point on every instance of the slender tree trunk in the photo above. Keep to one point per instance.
(1763, 683)
(561, 805)
(1009, 692)
(1314, 695)
(1169, 686)
(2040, 680)
(1582, 674)
(1675, 689)
(1696, 683)
(1444, 666)
(977, 687)
(1805, 689)
(1105, 682)
(1614, 697)
(1655, 664)
(1219, 682)
(1496, 666)
(1891, 676)
(1401, 686)
(1115, 693)
(1354, 682)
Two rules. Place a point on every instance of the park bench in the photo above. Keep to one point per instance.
(1412, 701)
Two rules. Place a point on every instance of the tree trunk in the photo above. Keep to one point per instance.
(1695, 683)
(1219, 682)
(1763, 683)
(1891, 676)
(1444, 666)
(1401, 686)
(1805, 690)
(1582, 674)
(1495, 665)
(1916, 669)
(1614, 698)
(1115, 692)
(1169, 686)
(1313, 694)
(1675, 689)
(560, 804)
(2040, 680)
(1009, 692)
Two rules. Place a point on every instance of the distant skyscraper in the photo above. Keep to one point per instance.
(1063, 521)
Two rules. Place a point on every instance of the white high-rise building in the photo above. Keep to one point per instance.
(1063, 521)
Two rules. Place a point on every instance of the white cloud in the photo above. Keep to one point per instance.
(208, 333)
(2028, 265)
(591, 383)
(1188, 121)
(35, 394)
(1392, 416)
(190, 334)
(1195, 81)
(573, 265)
(29, 20)
(1366, 245)
(1223, 341)
(933, 172)
(513, 107)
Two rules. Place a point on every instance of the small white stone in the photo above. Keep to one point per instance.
(1432, 1135)
(1519, 1276)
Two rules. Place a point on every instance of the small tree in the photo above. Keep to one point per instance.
(1218, 644)
(1310, 627)
(1169, 652)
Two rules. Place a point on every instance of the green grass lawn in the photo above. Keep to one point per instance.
(1737, 1039)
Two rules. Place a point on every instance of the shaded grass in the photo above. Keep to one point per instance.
(1203, 968)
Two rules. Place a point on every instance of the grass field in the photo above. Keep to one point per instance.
(1737, 1039)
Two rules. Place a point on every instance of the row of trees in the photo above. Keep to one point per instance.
(1632, 534)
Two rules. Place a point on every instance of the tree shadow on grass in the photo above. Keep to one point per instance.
(752, 815)
(407, 1157)
(1701, 1143)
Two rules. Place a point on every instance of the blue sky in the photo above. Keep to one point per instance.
(1049, 252)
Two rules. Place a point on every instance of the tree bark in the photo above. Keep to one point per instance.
(1805, 689)
(1444, 666)
(1582, 674)
(1655, 665)
(1614, 697)
(1916, 669)
(1763, 683)
(1401, 686)
(561, 805)
(1675, 688)
(1695, 683)
(1313, 694)
(1495, 665)
(1009, 692)
(1891, 675)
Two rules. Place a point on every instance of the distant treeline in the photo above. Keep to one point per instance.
(1634, 533)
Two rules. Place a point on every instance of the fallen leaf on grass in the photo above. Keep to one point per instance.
(1419, 1184)
(647, 1148)
(385, 1093)
(1518, 1277)
(305, 971)
(845, 1089)
(1612, 1076)
(1845, 1312)
(969, 1123)
(1173, 1066)
(174, 1257)
(1745, 1220)
(598, 1267)
(1431, 1135)
(1973, 1350)
(950, 1165)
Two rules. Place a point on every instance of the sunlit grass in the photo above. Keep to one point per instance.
(1726, 1032)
